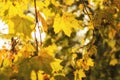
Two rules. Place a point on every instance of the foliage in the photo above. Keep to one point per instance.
(64, 54)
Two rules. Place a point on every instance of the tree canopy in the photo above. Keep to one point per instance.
(60, 40)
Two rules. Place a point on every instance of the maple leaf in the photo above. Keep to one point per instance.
(90, 62)
(42, 62)
(36, 63)
(69, 2)
(33, 75)
(26, 51)
(22, 25)
(12, 8)
(56, 3)
(56, 65)
(79, 74)
(65, 23)
(111, 43)
(51, 49)
(113, 62)
(112, 33)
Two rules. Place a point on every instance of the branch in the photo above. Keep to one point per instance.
(36, 21)
(36, 18)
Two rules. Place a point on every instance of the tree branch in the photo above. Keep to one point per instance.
(36, 21)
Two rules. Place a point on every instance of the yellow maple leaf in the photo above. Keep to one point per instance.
(21, 25)
(11, 27)
(42, 4)
(90, 62)
(56, 65)
(65, 23)
(79, 74)
(113, 62)
(40, 75)
(91, 26)
(69, 2)
(28, 47)
(112, 33)
(12, 8)
(26, 51)
(33, 75)
(48, 13)
(51, 49)
(56, 3)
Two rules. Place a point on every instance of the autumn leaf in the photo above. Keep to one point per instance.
(56, 65)
(113, 62)
(42, 62)
(112, 43)
(56, 3)
(27, 51)
(10, 9)
(22, 25)
(79, 74)
(69, 2)
(65, 23)
(91, 26)
(51, 49)
(112, 33)
(33, 75)
(90, 62)
(36, 63)
(42, 20)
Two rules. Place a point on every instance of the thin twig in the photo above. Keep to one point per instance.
(36, 42)
(36, 21)
(36, 18)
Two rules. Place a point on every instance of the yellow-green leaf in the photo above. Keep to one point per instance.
(22, 25)
(65, 23)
